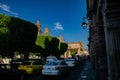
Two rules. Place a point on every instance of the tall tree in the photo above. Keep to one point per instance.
(49, 44)
(16, 35)
(54, 43)
(62, 48)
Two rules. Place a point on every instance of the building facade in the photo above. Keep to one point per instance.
(76, 47)
(104, 38)
(46, 31)
(61, 39)
(39, 27)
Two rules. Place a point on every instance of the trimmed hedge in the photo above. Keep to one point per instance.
(16, 34)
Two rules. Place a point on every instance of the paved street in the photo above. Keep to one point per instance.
(87, 72)
(82, 72)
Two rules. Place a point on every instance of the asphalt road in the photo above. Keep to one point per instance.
(72, 74)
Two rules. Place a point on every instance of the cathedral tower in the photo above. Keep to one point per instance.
(61, 38)
(46, 32)
(39, 27)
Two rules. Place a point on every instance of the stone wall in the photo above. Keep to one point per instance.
(104, 38)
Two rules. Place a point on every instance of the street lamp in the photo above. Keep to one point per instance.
(84, 23)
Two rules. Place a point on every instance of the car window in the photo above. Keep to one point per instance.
(26, 63)
(51, 63)
(70, 60)
(62, 63)
(48, 63)
(37, 63)
(55, 63)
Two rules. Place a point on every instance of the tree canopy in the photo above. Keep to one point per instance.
(62, 48)
(51, 45)
(16, 34)
(20, 35)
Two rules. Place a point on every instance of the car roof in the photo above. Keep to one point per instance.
(51, 57)
(55, 60)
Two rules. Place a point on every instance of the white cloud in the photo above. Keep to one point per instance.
(58, 26)
(7, 9)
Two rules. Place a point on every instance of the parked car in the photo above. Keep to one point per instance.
(51, 58)
(8, 73)
(57, 67)
(71, 62)
(31, 66)
(15, 63)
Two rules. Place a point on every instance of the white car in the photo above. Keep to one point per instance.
(57, 67)
(71, 62)
(51, 58)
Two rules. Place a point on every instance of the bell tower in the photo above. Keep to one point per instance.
(46, 32)
(39, 28)
(61, 38)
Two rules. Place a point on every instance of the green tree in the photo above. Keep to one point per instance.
(43, 43)
(47, 48)
(73, 51)
(49, 44)
(16, 35)
(62, 48)
(54, 43)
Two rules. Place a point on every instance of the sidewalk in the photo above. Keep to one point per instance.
(87, 73)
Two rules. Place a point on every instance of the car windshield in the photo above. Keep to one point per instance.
(51, 63)
(70, 60)
(26, 63)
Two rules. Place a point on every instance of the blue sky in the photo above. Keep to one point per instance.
(61, 16)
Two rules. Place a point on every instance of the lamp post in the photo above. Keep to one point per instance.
(84, 23)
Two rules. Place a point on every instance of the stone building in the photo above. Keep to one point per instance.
(46, 32)
(104, 37)
(78, 46)
(61, 38)
(39, 27)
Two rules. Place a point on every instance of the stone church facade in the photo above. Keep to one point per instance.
(104, 37)
(71, 45)
(46, 31)
(77, 45)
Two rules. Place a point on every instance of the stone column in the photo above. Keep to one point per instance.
(111, 14)
(100, 48)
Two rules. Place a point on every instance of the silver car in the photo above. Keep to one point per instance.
(71, 62)
(57, 67)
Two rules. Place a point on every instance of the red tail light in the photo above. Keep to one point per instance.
(56, 68)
